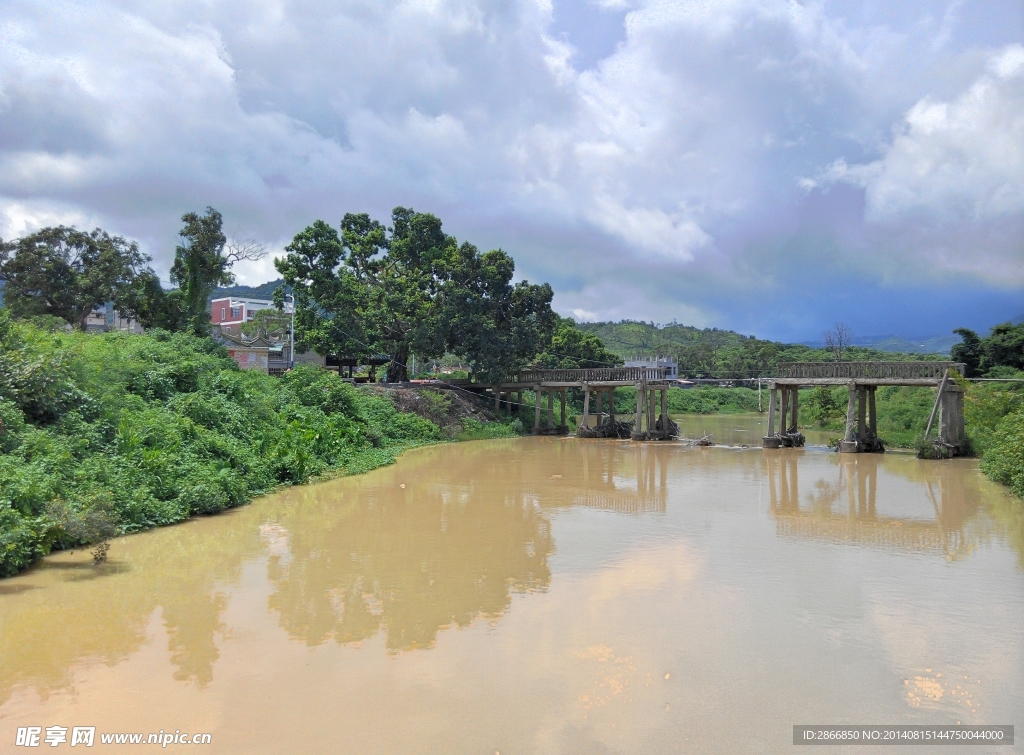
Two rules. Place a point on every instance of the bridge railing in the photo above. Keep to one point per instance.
(855, 370)
(598, 375)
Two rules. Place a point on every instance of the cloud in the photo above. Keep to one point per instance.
(706, 156)
(963, 157)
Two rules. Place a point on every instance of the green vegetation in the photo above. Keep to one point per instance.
(902, 411)
(571, 348)
(114, 433)
(994, 415)
(710, 352)
(411, 288)
(66, 273)
(999, 354)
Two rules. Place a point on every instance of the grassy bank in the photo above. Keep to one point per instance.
(114, 433)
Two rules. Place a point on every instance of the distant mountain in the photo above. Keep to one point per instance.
(936, 344)
(262, 291)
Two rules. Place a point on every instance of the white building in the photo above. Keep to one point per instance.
(669, 363)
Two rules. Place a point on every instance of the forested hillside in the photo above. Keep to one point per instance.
(721, 353)
(262, 291)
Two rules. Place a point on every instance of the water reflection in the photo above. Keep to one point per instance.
(409, 562)
(448, 536)
(845, 508)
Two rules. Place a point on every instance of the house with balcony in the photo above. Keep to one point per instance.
(234, 310)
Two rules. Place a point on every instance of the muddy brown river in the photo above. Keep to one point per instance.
(542, 595)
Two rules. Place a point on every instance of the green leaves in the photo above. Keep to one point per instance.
(162, 427)
(412, 289)
(200, 265)
(572, 348)
(66, 273)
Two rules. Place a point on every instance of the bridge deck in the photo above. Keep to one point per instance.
(863, 373)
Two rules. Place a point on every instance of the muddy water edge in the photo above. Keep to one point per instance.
(542, 595)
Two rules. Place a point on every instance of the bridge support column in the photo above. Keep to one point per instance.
(641, 390)
(551, 409)
(598, 396)
(771, 440)
(784, 413)
(795, 409)
(951, 417)
(497, 398)
(862, 406)
(872, 413)
(848, 444)
(586, 405)
(562, 427)
(536, 409)
(665, 433)
(611, 404)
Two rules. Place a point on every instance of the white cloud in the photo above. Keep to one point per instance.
(665, 169)
(963, 157)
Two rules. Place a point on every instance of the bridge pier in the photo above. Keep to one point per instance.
(786, 399)
(651, 424)
(861, 421)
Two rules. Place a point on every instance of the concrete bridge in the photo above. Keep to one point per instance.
(651, 383)
(862, 380)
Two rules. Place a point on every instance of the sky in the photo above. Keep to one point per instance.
(770, 167)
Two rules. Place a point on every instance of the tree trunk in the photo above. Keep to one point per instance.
(397, 371)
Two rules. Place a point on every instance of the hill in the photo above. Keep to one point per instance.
(934, 344)
(723, 353)
(262, 291)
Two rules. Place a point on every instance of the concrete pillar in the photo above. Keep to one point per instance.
(639, 408)
(497, 398)
(872, 414)
(862, 414)
(586, 405)
(784, 414)
(849, 441)
(771, 413)
(611, 404)
(551, 408)
(562, 423)
(951, 416)
(598, 395)
(536, 409)
(664, 412)
(650, 412)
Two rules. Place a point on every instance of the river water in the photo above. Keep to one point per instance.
(542, 595)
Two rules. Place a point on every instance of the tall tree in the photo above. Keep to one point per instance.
(1004, 347)
(968, 351)
(68, 273)
(571, 349)
(203, 261)
(410, 289)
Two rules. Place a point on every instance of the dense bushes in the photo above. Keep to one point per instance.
(116, 432)
(995, 421)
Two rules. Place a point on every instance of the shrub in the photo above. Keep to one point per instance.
(113, 433)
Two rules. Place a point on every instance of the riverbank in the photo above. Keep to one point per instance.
(107, 434)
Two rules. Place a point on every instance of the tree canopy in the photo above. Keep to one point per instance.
(575, 349)
(67, 273)
(411, 288)
(1001, 350)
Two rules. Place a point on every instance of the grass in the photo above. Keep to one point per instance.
(115, 433)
